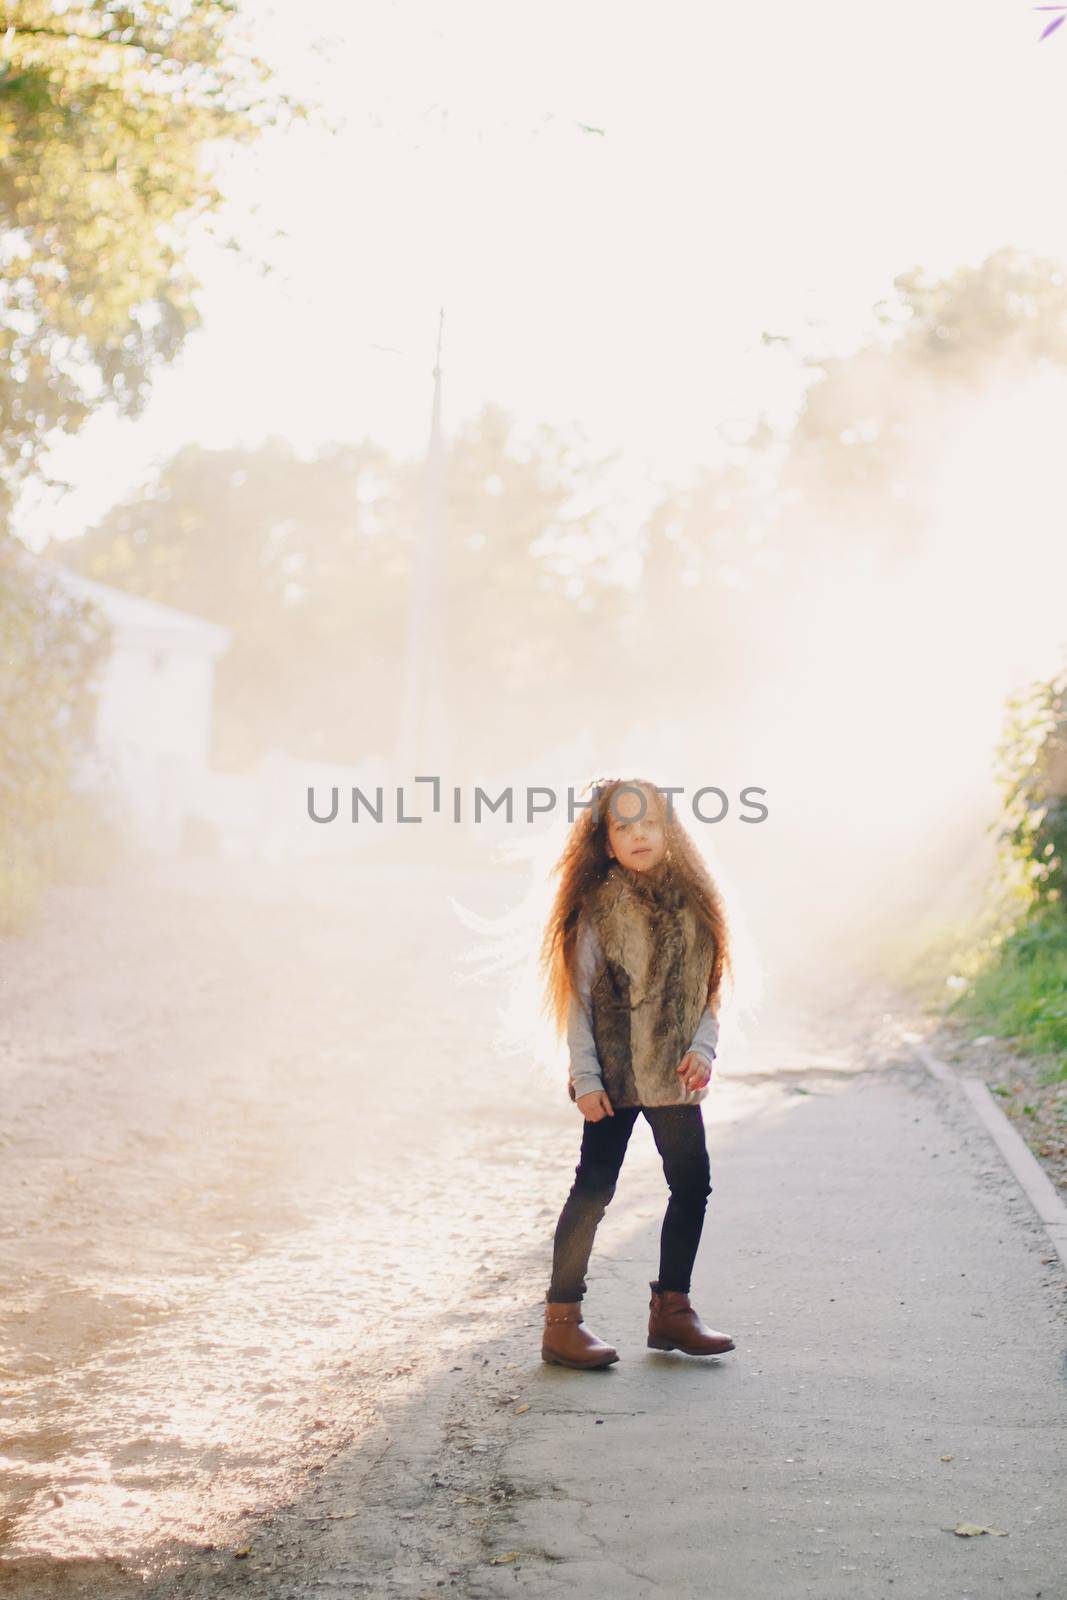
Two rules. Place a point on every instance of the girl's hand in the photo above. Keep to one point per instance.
(694, 1071)
(594, 1107)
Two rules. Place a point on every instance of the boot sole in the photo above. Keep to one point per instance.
(668, 1344)
(579, 1366)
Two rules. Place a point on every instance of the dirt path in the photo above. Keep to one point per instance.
(226, 1228)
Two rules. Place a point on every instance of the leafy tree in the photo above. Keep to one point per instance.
(851, 485)
(305, 560)
(109, 113)
(531, 605)
(1032, 772)
(310, 563)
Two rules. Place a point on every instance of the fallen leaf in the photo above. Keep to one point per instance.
(968, 1530)
(948, 1458)
(508, 1555)
(245, 1550)
(520, 1409)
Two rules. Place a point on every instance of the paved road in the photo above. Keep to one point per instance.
(899, 1370)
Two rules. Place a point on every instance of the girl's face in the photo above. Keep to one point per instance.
(636, 842)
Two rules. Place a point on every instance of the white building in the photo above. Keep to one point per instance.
(152, 742)
(153, 707)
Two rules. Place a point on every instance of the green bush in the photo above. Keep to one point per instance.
(1017, 986)
(1032, 769)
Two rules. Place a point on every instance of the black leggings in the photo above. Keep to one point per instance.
(680, 1140)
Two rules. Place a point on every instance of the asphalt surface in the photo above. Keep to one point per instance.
(899, 1371)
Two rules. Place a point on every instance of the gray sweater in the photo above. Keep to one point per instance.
(585, 1065)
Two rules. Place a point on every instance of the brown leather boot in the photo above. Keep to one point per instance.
(673, 1324)
(566, 1340)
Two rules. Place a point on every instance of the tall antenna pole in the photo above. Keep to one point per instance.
(423, 733)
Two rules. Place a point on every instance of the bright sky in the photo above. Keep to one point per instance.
(759, 165)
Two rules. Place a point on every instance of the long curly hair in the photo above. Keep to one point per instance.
(585, 863)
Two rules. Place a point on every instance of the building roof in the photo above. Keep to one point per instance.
(145, 622)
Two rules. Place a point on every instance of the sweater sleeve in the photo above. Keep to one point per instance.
(585, 1075)
(707, 1036)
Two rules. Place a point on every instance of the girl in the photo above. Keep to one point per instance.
(633, 958)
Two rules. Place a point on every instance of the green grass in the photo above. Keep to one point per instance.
(1019, 990)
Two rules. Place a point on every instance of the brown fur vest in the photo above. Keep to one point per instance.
(650, 990)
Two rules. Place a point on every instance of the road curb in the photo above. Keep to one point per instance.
(1020, 1159)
